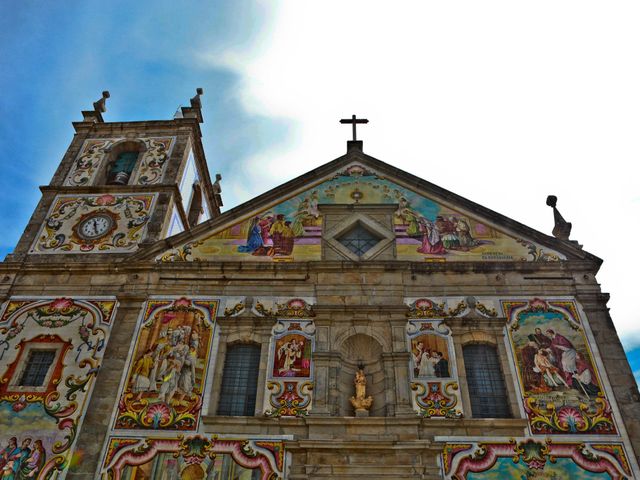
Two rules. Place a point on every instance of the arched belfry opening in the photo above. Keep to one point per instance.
(123, 159)
(361, 350)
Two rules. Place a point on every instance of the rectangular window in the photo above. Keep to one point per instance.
(240, 380)
(38, 365)
(486, 386)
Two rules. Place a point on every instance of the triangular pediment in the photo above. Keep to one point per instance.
(430, 224)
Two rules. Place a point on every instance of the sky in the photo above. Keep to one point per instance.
(501, 102)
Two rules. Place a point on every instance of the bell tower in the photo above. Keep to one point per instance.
(121, 185)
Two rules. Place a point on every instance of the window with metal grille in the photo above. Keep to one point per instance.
(358, 239)
(240, 380)
(38, 365)
(485, 382)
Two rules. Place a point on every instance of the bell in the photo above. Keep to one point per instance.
(120, 178)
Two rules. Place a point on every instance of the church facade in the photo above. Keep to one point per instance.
(355, 322)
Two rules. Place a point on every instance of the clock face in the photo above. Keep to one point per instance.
(95, 226)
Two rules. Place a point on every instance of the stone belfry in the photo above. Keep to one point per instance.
(121, 185)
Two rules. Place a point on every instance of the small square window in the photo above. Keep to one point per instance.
(358, 239)
(37, 367)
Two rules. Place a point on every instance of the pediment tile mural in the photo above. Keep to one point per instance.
(425, 230)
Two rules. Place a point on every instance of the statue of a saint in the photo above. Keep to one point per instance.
(361, 402)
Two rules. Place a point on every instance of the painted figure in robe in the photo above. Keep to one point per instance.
(550, 373)
(441, 367)
(34, 463)
(558, 362)
(431, 241)
(141, 379)
(169, 382)
(254, 238)
(424, 362)
(427, 365)
(428, 359)
(574, 367)
(187, 378)
(288, 354)
(15, 459)
(7, 452)
(464, 234)
(265, 225)
(532, 376)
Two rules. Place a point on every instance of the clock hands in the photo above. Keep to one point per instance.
(95, 227)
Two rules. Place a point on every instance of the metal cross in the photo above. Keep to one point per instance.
(353, 121)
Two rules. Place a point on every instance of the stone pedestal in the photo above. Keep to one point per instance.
(361, 412)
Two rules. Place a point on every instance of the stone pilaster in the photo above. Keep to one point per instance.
(96, 424)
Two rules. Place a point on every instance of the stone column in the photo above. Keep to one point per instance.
(322, 366)
(333, 364)
(462, 376)
(263, 334)
(396, 366)
(389, 384)
(509, 369)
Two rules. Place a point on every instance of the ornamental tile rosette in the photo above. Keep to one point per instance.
(44, 420)
(559, 383)
(165, 380)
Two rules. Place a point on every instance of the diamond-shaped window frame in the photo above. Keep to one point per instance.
(386, 236)
(358, 239)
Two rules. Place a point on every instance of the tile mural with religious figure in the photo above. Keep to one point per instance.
(430, 353)
(292, 356)
(532, 459)
(425, 230)
(164, 383)
(432, 366)
(559, 383)
(290, 378)
(50, 352)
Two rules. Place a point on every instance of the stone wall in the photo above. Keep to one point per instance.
(360, 311)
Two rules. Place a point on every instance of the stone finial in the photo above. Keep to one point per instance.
(95, 115)
(217, 189)
(195, 101)
(562, 228)
(101, 104)
(195, 108)
(217, 192)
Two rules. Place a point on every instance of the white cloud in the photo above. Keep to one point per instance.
(501, 102)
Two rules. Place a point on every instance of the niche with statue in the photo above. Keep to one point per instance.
(361, 379)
